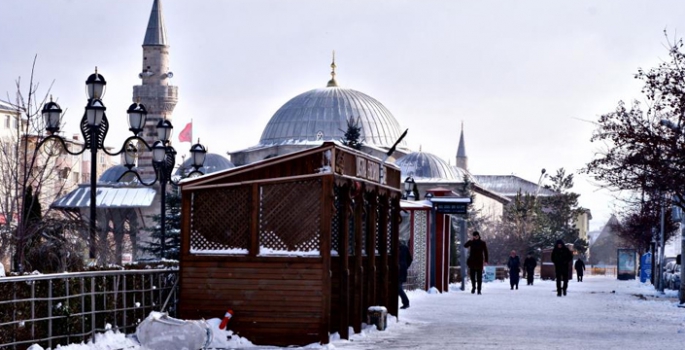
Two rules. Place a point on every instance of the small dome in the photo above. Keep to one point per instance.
(425, 166)
(113, 174)
(322, 114)
(213, 163)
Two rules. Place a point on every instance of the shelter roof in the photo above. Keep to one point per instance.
(510, 185)
(107, 197)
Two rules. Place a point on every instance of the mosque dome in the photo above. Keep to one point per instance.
(213, 163)
(113, 175)
(424, 166)
(322, 114)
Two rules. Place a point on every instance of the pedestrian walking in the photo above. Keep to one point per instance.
(529, 266)
(478, 258)
(561, 257)
(580, 269)
(405, 262)
(514, 265)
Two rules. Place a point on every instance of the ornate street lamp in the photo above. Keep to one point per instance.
(164, 161)
(94, 126)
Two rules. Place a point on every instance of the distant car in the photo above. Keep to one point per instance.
(671, 277)
(673, 281)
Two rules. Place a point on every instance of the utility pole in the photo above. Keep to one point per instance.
(681, 292)
(660, 271)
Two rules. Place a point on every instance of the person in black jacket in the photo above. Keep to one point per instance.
(580, 268)
(405, 262)
(561, 257)
(514, 265)
(529, 266)
(478, 257)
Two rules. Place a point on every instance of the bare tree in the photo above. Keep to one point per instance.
(23, 165)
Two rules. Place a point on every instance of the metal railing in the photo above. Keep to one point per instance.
(65, 308)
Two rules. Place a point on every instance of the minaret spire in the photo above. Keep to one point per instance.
(332, 82)
(156, 32)
(462, 159)
(155, 92)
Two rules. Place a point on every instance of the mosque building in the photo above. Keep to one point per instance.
(304, 121)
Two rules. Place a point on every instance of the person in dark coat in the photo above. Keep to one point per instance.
(478, 257)
(529, 266)
(514, 265)
(580, 268)
(561, 257)
(405, 262)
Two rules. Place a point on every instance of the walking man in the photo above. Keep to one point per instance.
(514, 265)
(478, 257)
(561, 257)
(580, 268)
(529, 265)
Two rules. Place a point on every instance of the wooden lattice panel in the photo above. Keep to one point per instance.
(220, 220)
(336, 220)
(290, 216)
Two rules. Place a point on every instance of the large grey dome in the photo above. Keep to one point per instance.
(321, 114)
(425, 166)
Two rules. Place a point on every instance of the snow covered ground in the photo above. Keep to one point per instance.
(599, 313)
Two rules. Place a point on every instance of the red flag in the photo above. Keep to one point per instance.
(186, 134)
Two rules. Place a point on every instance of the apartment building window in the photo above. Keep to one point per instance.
(7, 121)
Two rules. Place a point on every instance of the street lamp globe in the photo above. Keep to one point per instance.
(51, 114)
(95, 85)
(198, 152)
(94, 112)
(158, 151)
(164, 129)
(136, 118)
(130, 155)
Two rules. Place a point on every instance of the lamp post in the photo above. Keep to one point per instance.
(94, 126)
(409, 187)
(163, 161)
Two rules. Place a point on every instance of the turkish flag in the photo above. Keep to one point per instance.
(186, 134)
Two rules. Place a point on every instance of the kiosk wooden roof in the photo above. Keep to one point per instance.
(298, 246)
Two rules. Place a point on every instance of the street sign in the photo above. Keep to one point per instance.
(451, 208)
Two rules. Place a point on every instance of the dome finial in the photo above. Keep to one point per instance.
(332, 82)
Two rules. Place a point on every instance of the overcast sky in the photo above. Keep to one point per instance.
(527, 78)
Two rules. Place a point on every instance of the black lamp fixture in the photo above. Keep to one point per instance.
(409, 187)
(94, 126)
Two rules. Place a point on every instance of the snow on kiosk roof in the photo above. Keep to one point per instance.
(270, 240)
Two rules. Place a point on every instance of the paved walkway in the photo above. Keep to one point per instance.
(599, 313)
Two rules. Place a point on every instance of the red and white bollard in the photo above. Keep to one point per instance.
(227, 317)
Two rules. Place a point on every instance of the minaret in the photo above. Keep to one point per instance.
(462, 159)
(156, 93)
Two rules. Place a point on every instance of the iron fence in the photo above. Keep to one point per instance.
(59, 309)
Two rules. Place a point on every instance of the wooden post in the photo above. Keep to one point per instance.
(371, 276)
(383, 272)
(394, 259)
(357, 304)
(344, 264)
(254, 225)
(327, 198)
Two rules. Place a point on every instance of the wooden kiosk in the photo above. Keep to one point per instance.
(298, 246)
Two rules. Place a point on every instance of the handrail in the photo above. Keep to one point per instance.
(52, 276)
(62, 308)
